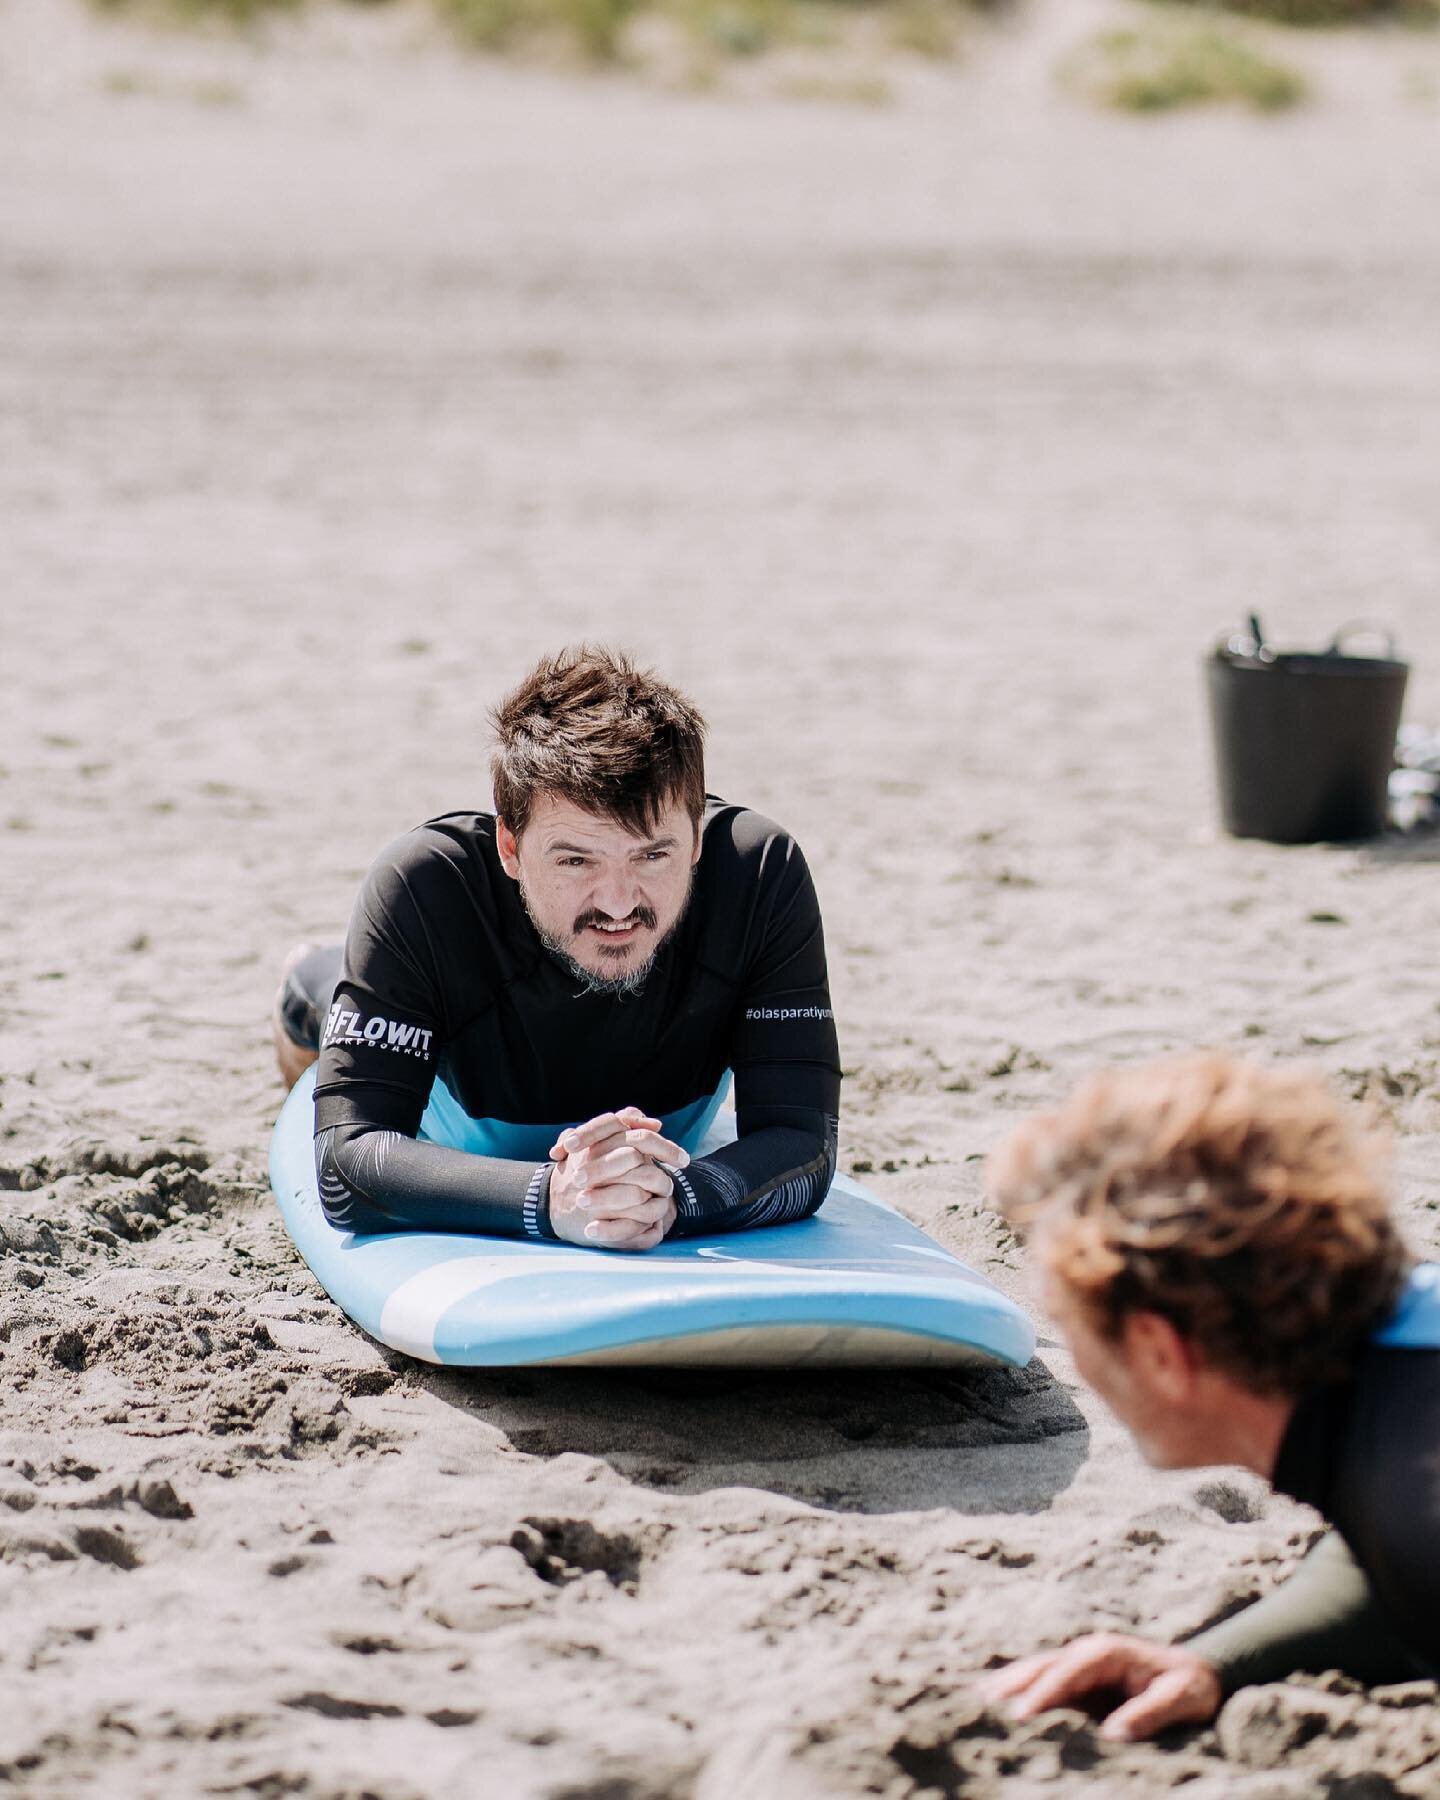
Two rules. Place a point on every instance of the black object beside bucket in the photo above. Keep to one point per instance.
(1304, 742)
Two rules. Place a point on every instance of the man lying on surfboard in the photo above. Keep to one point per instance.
(534, 1012)
(1217, 1249)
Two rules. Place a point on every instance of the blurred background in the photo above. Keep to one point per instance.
(926, 386)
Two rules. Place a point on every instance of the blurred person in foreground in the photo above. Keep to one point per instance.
(1216, 1248)
(536, 1011)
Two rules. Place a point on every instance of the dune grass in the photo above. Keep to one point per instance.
(1160, 67)
(592, 27)
(1322, 12)
(595, 30)
(228, 12)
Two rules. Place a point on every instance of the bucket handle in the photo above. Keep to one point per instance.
(1252, 647)
(1367, 628)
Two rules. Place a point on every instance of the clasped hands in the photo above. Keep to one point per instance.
(608, 1190)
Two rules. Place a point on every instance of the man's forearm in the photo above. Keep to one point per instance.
(769, 1176)
(373, 1180)
(1324, 1617)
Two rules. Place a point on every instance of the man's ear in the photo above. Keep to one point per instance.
(1166, 1359)
(507, 847)
(699, 842)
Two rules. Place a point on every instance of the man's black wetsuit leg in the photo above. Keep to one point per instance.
(306, 993)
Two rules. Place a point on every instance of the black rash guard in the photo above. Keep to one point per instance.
(448, 1009)
(1366, 1454)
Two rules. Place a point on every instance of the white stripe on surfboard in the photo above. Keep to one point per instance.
(411, 1315)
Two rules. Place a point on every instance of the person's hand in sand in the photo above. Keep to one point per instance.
(608, 1190)
(1164, 1684)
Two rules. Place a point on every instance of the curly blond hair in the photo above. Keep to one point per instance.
(1243, 1204)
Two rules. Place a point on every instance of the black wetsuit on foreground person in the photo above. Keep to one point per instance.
(454, 1046)
(1366, 1454)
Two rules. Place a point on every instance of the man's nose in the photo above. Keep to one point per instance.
(615, 893)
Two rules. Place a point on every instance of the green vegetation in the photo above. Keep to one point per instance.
(229, 12)
(737, 28)
(1138, 70)
(595, 30)
(1160, 67)
(928, 28)
(592, 26)
(727, 28)
(1324, 12)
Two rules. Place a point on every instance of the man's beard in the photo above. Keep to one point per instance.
(591, 982)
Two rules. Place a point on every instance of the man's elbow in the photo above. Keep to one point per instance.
(344, 1209)
(801, 1194)
(829, 1163)
(820, 1183)
(338, 1203)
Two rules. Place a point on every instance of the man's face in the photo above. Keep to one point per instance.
(603, 900)
(1136, 1376)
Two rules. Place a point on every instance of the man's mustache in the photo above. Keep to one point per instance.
(642, 915)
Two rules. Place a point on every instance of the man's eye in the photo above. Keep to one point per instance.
(572, 862)
(657, 856)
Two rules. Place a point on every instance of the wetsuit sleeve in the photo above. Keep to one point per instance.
(786, 1063)
(379, 1047)
(1324, 1617)
(373, 1180)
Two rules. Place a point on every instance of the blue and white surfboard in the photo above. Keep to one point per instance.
(856, 1284)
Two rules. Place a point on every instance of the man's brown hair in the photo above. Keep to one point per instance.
(589, 726)
(1243, 1204)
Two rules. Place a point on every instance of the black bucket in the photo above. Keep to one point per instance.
(1304, 744)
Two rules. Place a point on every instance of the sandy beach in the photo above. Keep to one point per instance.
(929, 446)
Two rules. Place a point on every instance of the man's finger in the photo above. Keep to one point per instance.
(620, 1234)
(626, 1206)
(1174, 1697)
(646, 1176)
(611, 1157)
(645, 1240)
(576, 1137)
(1160, 1703)
(604, 1125)
(602, 1163)
(624, 1165)
(1015, 1677)
(610, 1232)
(659, 1149)
(1090, 1662)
